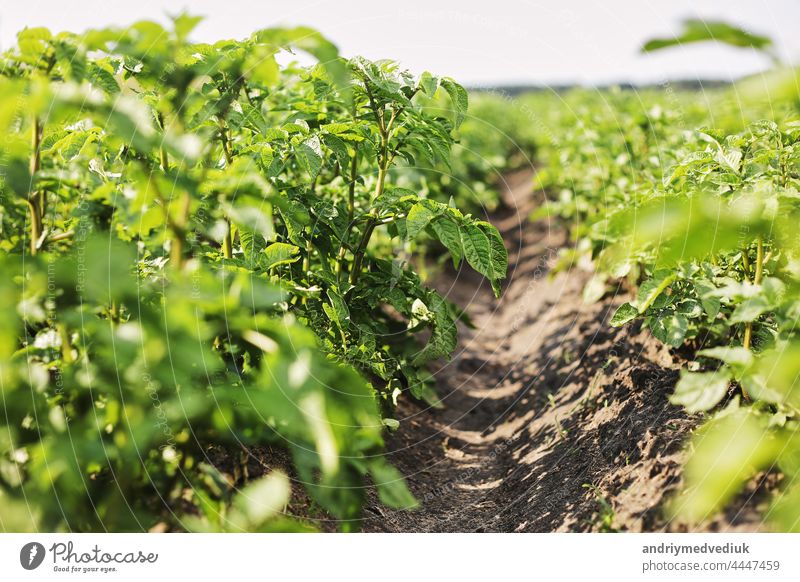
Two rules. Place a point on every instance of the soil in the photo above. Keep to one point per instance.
(552, 420)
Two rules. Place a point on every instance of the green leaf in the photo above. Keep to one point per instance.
(444, 337)
(279, 253)
(625, 313)
(264, 498)
(458, 97)
(33, 42)
(595, 288)
(737, 357)
(726, 453)
(185, 24)
(309, 156)
(670, 328)
(652, 288)
(449, 235)
(392, 488)
(265, 71)
(499, 256)
(340, 311)
(677, 326)
(485, 252)
(15, 172)
(477, 250)
(695, 30)
(749, 309)
(429, 83)
(252, 218)
(253, 118)
(699, 392)
(418, 218)
(772, 291)
(99, 77)
(312, 42)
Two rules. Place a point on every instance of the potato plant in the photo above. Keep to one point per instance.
(204, 248)
(700, 224)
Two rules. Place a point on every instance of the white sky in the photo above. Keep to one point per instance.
(476, 42)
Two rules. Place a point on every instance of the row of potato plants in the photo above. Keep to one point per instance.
(700, 224)
(204, 247)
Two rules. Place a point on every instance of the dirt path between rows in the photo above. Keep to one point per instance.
(552, 420)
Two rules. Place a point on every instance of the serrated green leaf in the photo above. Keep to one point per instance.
(444, 337)
(477, 249)
(449, 235)
(99, 77)
(499, 256)
(309, 156)
(458, 98)
(340, 311)
(418, 218)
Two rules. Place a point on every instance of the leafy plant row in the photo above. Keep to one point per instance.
(700, 224)
(203, 247)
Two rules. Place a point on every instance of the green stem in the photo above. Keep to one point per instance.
(164, 160)
(358, 257)
(227, 241)
(36, 224)
(179, 233)
(748, 328)
(383, 168)
(66, 348)
(379, 185)
(759, 261)
(164, 157)
(307, 257)
(36, 162)
(351, 204)
(66, 235)
(36, 200)
(372, 222)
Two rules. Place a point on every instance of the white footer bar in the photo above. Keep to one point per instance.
(400, 557)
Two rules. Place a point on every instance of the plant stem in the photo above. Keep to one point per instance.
(358, 257)
(36, 200)
(66, 348)
(307, 257)
(748, 333)
(66, 235)
(351, 194)
(36, 162)
(383, 168)
(180, 232)
(748, 328)
(372, 222)
(178, 226)
(164, 158)
(759, 261)
(227, 242)
(351, 204)
(36, 224)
